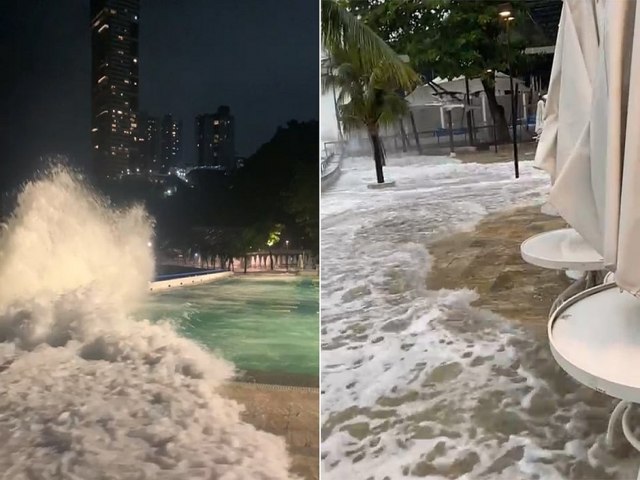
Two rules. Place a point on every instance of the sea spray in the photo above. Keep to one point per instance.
(86, 390)
(62, 237)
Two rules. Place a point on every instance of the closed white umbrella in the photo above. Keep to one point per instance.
(598, 190)
(568, 106)
(624, 252)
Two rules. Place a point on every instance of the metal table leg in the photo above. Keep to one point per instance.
(576, 287)
(615, 416)
(590, 279)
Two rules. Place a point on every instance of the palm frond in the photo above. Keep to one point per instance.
(343, 32)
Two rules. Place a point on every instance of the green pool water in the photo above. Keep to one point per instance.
(263, 325)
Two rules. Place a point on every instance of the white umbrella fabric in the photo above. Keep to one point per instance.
(568, 106)
(598, 189)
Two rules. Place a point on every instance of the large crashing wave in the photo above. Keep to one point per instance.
(86, 391)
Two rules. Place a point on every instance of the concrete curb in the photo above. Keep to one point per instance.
(174, 283)
(381, 186)
(269, 386)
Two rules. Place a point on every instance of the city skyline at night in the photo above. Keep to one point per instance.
(193, 57)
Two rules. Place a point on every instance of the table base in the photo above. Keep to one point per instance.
(621, 413)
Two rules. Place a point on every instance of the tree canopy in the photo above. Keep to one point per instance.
(449, 38)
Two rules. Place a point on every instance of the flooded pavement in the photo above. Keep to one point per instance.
(488, 260)
(435, 361)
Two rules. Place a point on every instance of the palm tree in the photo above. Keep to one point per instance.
(367, 73)
(367, 99)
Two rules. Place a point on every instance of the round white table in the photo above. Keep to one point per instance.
(564, 249)
(595, 337)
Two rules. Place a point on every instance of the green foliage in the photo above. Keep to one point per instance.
(274, 236)
(279, 185)
(302, 201)
(448, 37)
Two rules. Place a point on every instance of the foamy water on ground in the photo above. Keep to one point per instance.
(417, 383)
(86, 389)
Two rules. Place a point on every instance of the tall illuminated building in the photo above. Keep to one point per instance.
(114, 86)
(215, 137)
(149, 146)
(170, 143)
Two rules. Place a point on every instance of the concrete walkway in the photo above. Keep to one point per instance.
(291, 412)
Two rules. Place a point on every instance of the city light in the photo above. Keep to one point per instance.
(504, 10)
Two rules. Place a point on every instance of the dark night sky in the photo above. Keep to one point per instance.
(260, 57)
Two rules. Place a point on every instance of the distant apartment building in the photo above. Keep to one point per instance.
(149, 145)
(114, 85)
(170, 143)
(215, 139)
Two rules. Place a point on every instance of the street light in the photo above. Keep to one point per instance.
(505, 11)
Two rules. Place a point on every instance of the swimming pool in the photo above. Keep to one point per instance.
(266, 325)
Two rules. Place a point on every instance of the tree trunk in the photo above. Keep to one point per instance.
(245, 264)
(497, 113)
(378, 155)
(469, 122)
(403, 134)
(271, 259)
(415, 132)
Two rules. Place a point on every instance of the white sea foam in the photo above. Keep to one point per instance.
(86, 390)
(419, 383)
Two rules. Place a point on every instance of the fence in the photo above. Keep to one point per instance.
(422, 131)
